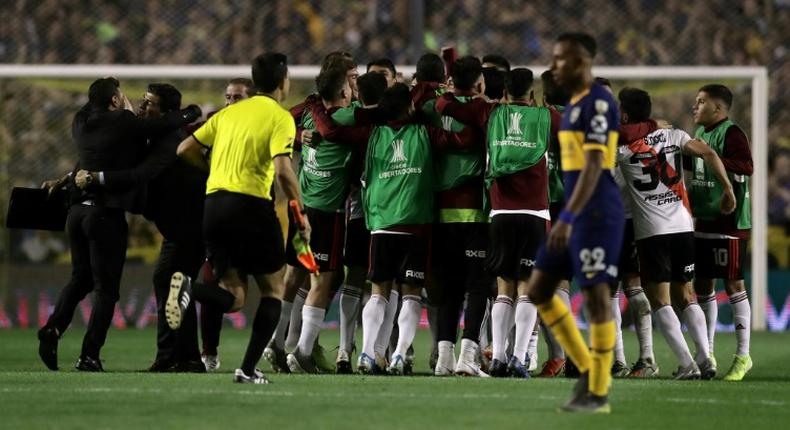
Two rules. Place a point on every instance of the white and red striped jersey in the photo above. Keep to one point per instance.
(652, 168)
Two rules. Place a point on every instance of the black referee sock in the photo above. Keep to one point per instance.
(266, 319)
(219, 298)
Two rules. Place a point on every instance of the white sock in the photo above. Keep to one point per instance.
(349, 306)
(642, 320)
(312, 318)
(385, 331)
(741, 317)
(295, 325)
(372, 317)
(670, 327)
(501, 317)
(526, 315)
(695, 322)
(532, 348)
(408, 320)
(468, 350)
(711, 308)
(282, 325)
(619, 350)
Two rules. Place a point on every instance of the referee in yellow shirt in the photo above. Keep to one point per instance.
(251, 143)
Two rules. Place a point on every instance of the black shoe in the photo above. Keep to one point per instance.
(498, 369)
(178, 299)
(87, 364)
(159, 366)
(588, 403)
(581, 388)
(191, 366)
(48, 347)
(571, 371)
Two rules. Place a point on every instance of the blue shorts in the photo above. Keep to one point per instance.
(592, 254)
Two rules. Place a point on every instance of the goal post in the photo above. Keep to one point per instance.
(757, 76)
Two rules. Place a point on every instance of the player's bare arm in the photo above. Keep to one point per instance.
(192, 152)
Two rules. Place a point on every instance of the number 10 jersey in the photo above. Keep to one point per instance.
(652, 168)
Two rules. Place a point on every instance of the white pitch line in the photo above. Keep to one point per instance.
(263, 392)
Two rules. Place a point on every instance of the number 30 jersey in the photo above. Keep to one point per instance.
(652, 168)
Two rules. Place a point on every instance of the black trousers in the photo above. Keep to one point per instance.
(182, 255)
(98, 250)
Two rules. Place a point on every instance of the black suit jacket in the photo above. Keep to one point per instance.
(116, 140)
(174, 190)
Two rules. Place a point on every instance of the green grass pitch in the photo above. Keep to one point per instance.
(127, 398)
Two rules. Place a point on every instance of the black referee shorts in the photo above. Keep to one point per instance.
(242, 232)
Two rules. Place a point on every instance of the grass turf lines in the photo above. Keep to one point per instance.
(126, 397)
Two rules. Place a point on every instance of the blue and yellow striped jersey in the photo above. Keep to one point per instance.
(591, 122)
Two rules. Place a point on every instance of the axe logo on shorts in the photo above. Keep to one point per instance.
(415, 274)
(320, 256)
(475, 253)
(689, 268)
(527, 262)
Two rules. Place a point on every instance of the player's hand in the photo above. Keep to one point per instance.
(127, 104)
(560, 236)
(531, 101)
(307, 137)
(728, 201)
(662, 123)
(305, 231)
(81, 179)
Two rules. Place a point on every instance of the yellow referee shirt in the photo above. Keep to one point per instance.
(244, 139)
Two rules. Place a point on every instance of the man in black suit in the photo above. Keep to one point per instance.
(175, 193)
(109, 138)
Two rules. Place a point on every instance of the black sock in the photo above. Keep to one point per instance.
(210, 328)
(266, 319)
(474, 312)
(212, 294)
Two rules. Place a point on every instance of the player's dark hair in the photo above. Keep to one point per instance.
(582, 40)
(249, 87)
(371, 87)
(430, 68)
(635, 103)
(499, 61)
(330, 82)
(395, 102)
(101, 92)
(719, 92)
(518, 82)
(269, 70)
(553, 93)
(169, 96)
(338, 59)
(602, 81)
(495, 82)
(383, 62)
(465, 72)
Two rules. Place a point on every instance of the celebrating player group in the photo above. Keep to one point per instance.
(457, 191)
